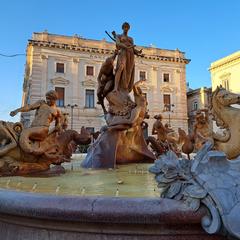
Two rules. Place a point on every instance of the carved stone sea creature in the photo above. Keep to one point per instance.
(227, 117)
(210, 180)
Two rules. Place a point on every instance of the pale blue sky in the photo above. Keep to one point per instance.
(205, 29)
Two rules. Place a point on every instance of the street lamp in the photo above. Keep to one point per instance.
(168, 108)
(72, 107)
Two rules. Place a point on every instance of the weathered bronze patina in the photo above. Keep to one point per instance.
(121, 140)
(30, 150)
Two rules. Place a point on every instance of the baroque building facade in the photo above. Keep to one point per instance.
(70, 65)
(226, 72)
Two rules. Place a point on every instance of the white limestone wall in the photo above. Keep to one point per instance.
(43, 77)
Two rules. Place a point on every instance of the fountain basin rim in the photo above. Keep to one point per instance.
(97, 209)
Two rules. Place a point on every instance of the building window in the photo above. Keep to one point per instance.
(89, 70)
(142, 75)
(89, 99)
(90, 129)
(195, 106)
(60, 67)
(166, 77)
(61, 94)
(225, 84)
(167, 102)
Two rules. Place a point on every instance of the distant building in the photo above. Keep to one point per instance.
(70, 65)
(197, 99)
(226, 72)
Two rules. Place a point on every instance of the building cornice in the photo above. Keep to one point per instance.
(199, 90)
(76, 48)
(235, 57)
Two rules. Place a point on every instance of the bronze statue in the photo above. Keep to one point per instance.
(168, 140)
(166, 137)
(159, 129)
(105, 80)
(202, 131)
(122, 140)
(46, 112)
(124, 77)
(186, 142)
(133, 145)
(32, 150)
(119, 100)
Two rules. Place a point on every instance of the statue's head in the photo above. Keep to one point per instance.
(125, 27)
(51, 97)
(200, 117)
(158, 117)
(225, 97)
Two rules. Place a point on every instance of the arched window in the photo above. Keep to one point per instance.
(195, 105)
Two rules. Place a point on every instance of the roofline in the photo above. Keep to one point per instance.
(225, 60)
(90, 39)
(106, 51)
(205, 89)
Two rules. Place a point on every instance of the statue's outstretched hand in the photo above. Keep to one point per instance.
(131, 46)
(13, 113)
(139, 53)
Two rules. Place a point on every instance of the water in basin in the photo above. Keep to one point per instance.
(132, 180)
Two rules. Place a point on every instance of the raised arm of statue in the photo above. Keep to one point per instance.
(138, 52)
(26, 108)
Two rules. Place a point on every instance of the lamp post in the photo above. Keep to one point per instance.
(72, 107)
(168, 108)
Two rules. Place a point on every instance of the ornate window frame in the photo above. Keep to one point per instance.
(85, 70)
(146, 74)
(170, 76)
(55, 66)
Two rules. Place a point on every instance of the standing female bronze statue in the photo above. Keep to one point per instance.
(124, 77)
(120, 103)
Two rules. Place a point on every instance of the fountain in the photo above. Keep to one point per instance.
(109, 193)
